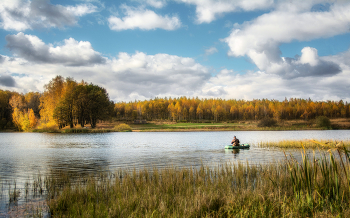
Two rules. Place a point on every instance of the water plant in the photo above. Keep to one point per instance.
(13, 194)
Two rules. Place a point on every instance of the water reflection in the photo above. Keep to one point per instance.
(235, 152)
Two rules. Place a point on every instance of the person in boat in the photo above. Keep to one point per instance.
(235, 141)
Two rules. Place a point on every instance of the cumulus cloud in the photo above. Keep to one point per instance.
(260, 38)
(144, 19)
(308, 64)
(258, 85)
(140, 76)
(71, 53)
(126, 76)
(209, 10)
(152, 75)
(82, 9)
(8, 81)
(20, 15)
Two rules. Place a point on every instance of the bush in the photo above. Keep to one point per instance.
(50, 128)
(123, 128)
(267, 122)
(323, 122)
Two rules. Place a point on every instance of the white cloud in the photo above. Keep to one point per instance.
(260, 39)
(141, 76)
(160, 74)
(278, 27)
(125, 76)
(309, 56)
(144, 19)
(210, 51)
(209, 10)
(20, 15)
(257, 85)
(71, 53)
(82, 9)
(156, 3)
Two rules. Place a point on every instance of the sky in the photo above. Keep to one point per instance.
(143, 49)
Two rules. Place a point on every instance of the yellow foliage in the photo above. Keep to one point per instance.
(16, 114)
(20, 119)
(24, 120)
(123, 128)
(33, 121)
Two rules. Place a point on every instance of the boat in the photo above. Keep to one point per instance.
(243, 146)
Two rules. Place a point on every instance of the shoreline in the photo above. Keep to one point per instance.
(171, 126)
(171, 129)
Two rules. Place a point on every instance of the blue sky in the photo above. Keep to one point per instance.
(141, 49)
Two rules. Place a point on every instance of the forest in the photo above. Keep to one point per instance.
(185, 109)
(66, 102)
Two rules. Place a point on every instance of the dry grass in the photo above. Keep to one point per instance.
(320, 144)
(311, 188)
(164, 126)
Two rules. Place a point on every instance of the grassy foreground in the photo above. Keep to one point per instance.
(312, 188)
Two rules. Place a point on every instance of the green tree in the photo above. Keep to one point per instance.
(98, 106)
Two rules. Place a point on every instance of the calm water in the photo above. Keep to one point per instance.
(24, 155)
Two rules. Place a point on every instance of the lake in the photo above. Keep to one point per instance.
(25, 155)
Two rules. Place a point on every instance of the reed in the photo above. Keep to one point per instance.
(14, 193)
(310, 188)
(319, 144)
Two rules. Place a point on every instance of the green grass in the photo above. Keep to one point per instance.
(311, 188)
(187, 126)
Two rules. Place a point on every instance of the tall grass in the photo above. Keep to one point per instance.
(310, 188)
(320, 144)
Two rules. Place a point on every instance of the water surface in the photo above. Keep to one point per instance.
(26, 155)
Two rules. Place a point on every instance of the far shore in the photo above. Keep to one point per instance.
(168, 126)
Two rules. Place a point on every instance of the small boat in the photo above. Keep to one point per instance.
(243, 146)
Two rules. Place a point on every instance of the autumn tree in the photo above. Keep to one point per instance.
(50, 99)
(65, 111)
(221, 110)
(23, 115)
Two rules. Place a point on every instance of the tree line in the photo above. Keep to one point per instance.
(64, 102)
(195, 109)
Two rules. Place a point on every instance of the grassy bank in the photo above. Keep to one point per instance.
(238, 126)
(311, 188)
(167, 126)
